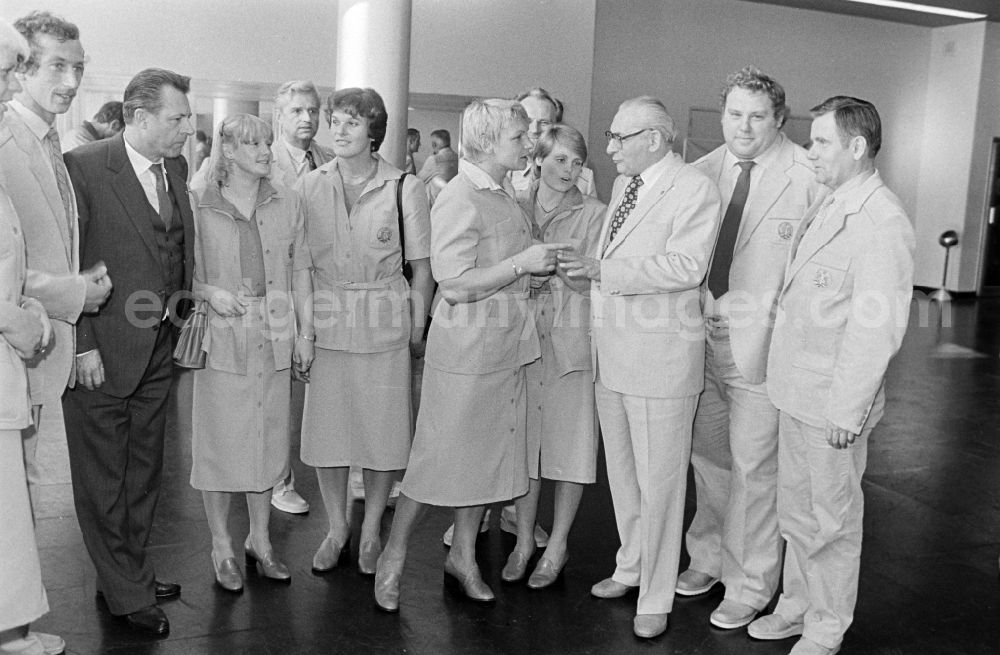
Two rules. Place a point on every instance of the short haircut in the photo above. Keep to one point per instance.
(234, 130)
(541, 94)
(482, 123)
(654, 114)
(559, 109)
(443, 136)
(412, 134)
(295, 87)
(144, 91)
(559, 134)
(44, 22)
(13, 44)
(109, 112)
(854, 117)
(364, 103)
(752, 79)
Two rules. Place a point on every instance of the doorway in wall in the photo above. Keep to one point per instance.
(990, 285)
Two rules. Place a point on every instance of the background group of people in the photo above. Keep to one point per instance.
(736, 314)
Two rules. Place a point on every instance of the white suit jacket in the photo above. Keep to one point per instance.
(843, 309)
(52, 242)
(785, 190)
(647, 329)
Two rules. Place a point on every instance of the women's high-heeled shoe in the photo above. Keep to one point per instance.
(471, 582)
(515, 568)
(228, 574)
(267, 565)
(546, 572)
(387, 584)
(368, 557)
(328, 554)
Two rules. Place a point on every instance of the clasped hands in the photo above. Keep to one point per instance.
(98, 287)
(28, 331)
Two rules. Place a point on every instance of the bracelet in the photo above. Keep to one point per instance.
(307, 337)
(517, 273)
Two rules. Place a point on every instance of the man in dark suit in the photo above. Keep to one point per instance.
(135, 217)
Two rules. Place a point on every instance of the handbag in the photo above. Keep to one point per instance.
(188, 352)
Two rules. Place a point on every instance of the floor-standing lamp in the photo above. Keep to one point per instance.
(947, 239)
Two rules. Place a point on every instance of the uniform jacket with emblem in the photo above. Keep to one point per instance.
(843, 309)
(776, 204)
(52, 241)
(648, 335)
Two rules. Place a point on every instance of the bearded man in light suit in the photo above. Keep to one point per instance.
(40, 190)
(648, 346)
(841, 317)
(767, 185)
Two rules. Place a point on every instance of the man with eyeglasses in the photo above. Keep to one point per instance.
(767, 185)
(648, 346)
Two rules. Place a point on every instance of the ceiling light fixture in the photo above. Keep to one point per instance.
(912, 6)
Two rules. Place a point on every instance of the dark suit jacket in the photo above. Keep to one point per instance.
(115, 227)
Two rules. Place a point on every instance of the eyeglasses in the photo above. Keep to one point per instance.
(620, 138)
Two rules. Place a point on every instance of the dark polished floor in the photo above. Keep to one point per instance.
(929, 578)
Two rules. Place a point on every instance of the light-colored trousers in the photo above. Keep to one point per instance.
(647, 445)
(734, 453)
(820, 512)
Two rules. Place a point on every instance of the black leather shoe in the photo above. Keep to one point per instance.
(150, 620)
(167, 589)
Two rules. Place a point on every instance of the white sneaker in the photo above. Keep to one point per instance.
(483, 527)
(508, 523)
(285, 498)
(51, 644)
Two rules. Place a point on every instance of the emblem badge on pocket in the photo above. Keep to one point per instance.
(384, 235)
(785, 230)
(822, 278)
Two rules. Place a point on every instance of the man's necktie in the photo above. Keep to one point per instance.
(162, 197)
(625, 206)
(62, 175)
(310, 160)
(718, 277)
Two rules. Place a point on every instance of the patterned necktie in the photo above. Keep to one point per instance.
(718, 277)
(62, 175)
(310, 160)
(625, 207)
(163, 199)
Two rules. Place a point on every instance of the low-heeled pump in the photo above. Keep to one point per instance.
(328, 554)
(546, 572)
(387, 585)
(471, 583)
(368, 557)
(515, 568)
(228, 574)
(267, 565)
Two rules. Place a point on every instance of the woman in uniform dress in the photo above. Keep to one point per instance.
(357, 407)
(24, 332)
(562, 420)
(252, 267)
(469, 449)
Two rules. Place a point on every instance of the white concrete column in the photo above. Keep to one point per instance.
(373, 50)
(223, 107)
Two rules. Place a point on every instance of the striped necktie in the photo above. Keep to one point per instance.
(62, 175)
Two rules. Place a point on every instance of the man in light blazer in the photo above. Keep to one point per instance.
(135, 215)
(841, 316)
(734, 452)
(648, 346)
(39, 188)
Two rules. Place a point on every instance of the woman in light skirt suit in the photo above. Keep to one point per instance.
(252, 266)
(562, 419)
(368, 324)
(469, 448)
